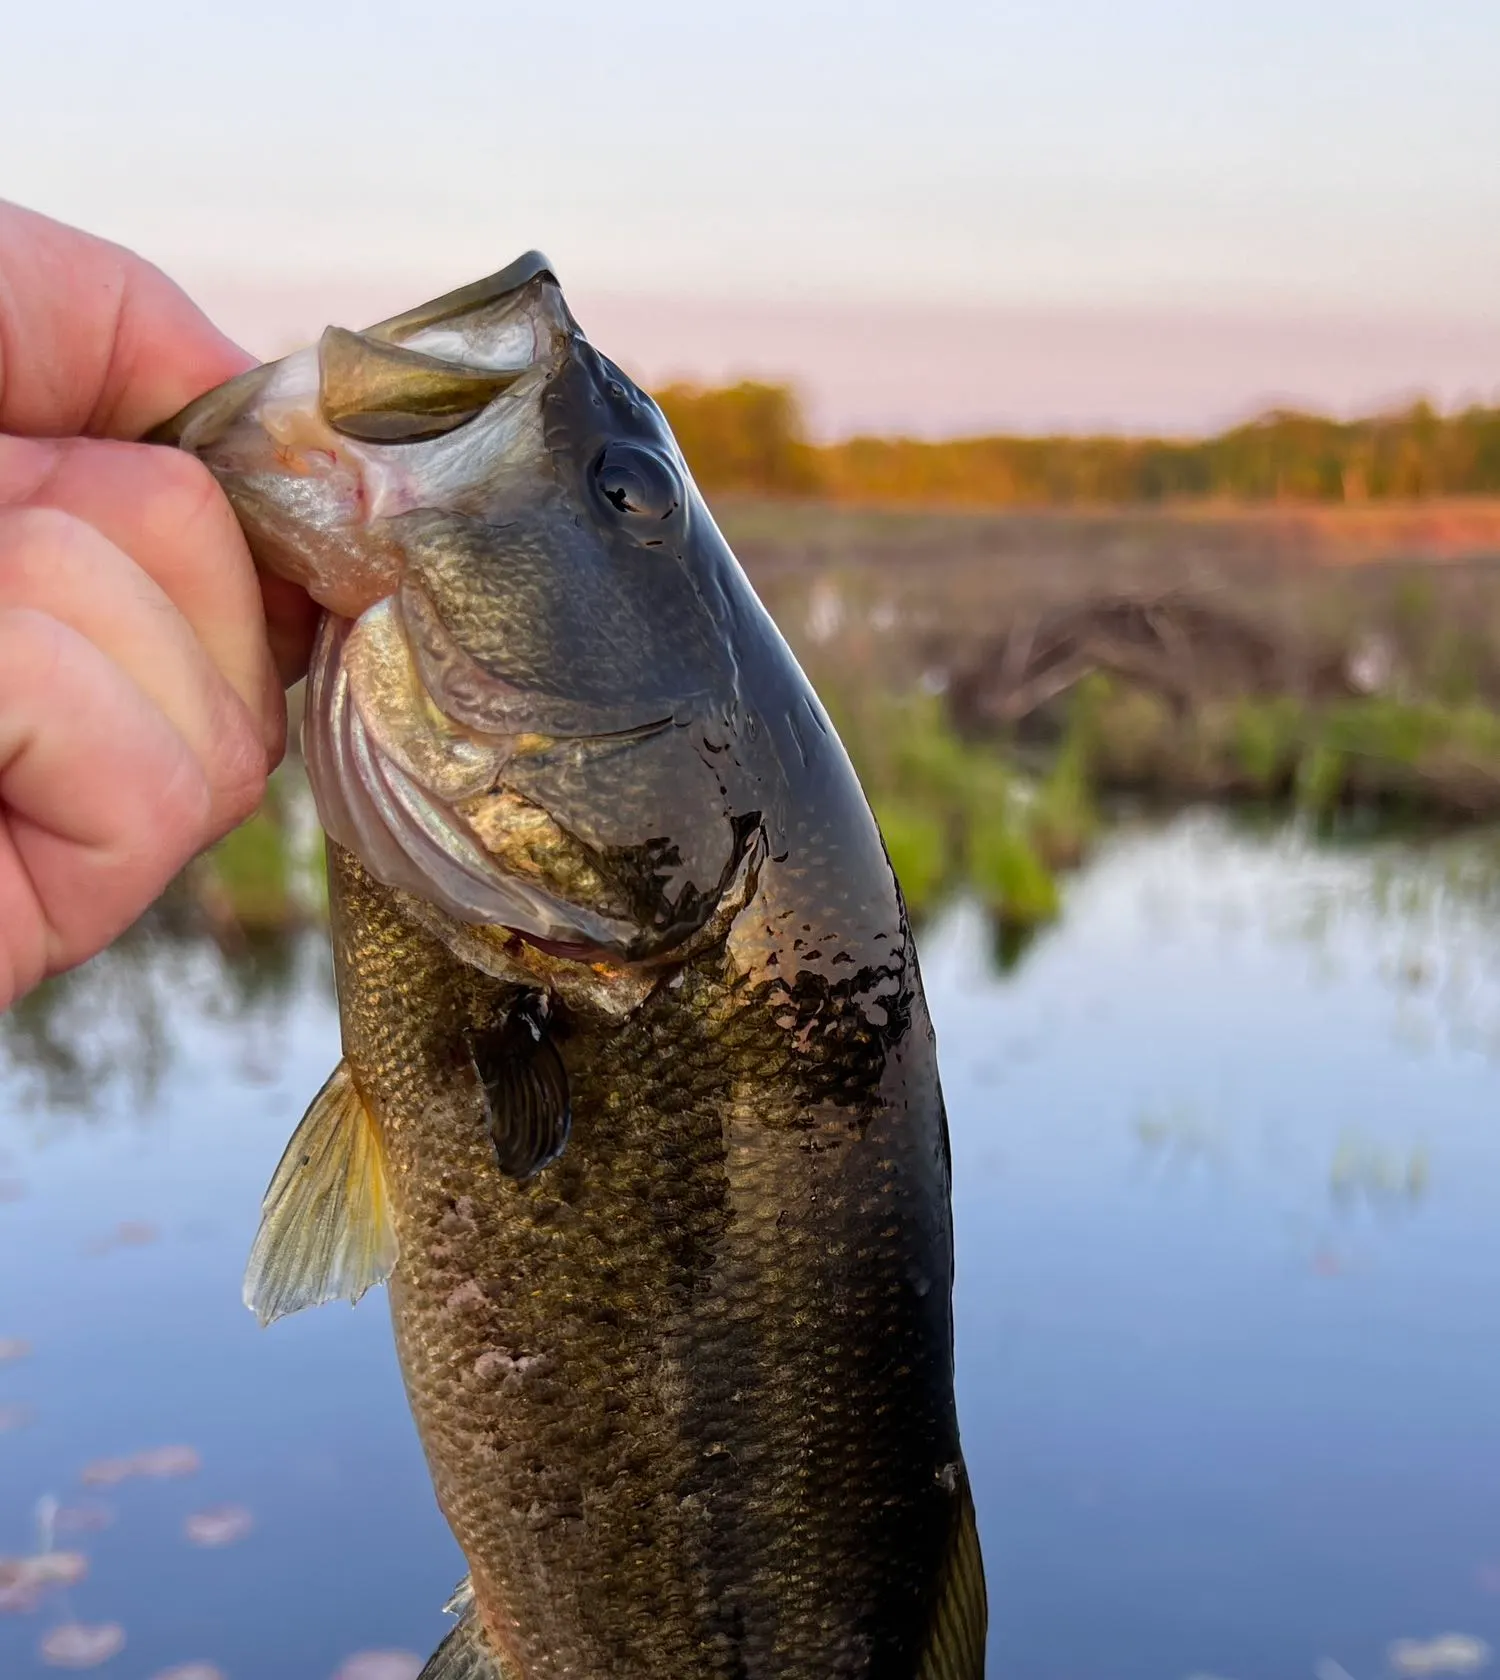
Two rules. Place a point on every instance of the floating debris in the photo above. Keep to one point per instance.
(1449, 1653)
(52, 1569)
(129, 1233)
(25, 1581)
(77, 1645)
(220, 1526)
(15, 1417)
(105, 1472)
(169, 1461)
(156, 1461)
(380, 1665)
(12, 1348)
(19, 1600)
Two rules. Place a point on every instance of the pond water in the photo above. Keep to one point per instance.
(1227, 1160)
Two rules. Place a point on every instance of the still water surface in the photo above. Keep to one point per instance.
(1227, 1186)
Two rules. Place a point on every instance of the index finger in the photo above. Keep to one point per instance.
(93, 339)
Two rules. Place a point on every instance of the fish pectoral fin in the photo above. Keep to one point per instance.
(960, 1621)
(465, 1654)
(325, 1228)
(527, 1105)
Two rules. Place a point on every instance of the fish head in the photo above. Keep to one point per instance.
(538, 692)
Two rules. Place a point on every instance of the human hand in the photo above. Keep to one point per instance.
(141, 658)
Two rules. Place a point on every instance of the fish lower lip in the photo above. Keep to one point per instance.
(197, 425)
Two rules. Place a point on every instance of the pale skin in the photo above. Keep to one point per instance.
(142, 658)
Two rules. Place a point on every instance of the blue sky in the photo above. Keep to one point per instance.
(1322, 157)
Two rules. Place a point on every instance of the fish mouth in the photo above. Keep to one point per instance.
(318, 452)
(404, 786)
(208, 418)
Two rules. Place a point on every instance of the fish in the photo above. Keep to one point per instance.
(638, 1115)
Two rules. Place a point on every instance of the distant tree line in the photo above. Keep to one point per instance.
(749, 438)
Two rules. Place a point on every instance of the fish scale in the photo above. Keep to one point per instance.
(693, 1206)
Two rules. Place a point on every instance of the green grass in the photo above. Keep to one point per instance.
(957, 813)
(1007, 871)
(1266, 740)
(249, 873)
(918, 849)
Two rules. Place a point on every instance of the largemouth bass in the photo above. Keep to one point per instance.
(638, 1112)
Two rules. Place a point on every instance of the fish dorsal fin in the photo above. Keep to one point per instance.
(325, 1227)
(960, 1621)
(465, 1654)
(526, 1100)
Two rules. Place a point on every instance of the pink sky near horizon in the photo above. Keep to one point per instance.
(952, 370)
(1161, 217)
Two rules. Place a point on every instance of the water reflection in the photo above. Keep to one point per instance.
(113, 1028)
(981, 836)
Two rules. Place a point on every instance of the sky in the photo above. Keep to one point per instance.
(1099, 213)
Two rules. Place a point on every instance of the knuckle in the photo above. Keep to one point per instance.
(29, 535)
(33, 645)
(183, 492)
(181, 820)
(241, 768)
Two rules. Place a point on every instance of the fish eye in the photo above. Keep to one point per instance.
(637, 482)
